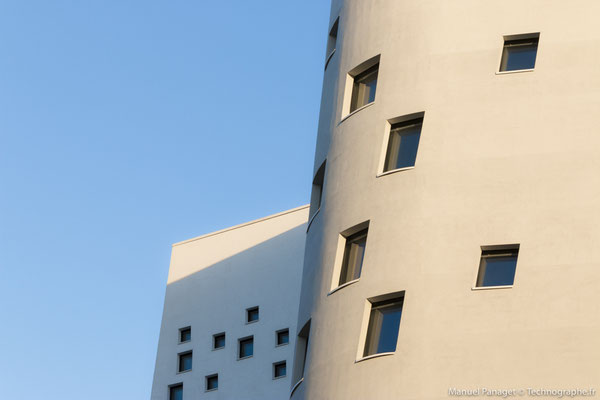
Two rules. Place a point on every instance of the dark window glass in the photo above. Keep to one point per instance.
(252, 314)
(279, 369)
(363, 90)
(519, 54)
(497, 267)
(176, 392)
(247, 347)
(219, 341)
(283, 337)
(403, 145)
(331, 41)
(185, 335)
(317, 193)
(384, 322)
(185, 362)
(354, 254)
(212, 382)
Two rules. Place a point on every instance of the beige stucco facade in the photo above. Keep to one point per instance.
(503, 158)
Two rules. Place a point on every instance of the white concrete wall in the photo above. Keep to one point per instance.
(502, 159)
(212, 280)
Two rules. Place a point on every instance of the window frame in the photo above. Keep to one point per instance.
(180, 333)
(250, 310)
(404, 119)
(495, 251)
(340, 256)
(174, 386)
(301, 355)
(332, 41)
(277, 364)
(206, 380)
(277, 344)
(239, 349)
(351, 76)
(370, 303)
(534, 36)
(214, 337)
(180, 359)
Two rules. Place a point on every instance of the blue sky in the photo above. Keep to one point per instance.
(126, 126)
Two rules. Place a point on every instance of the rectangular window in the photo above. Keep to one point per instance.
(218, 341)
(176, 392)
(283, 337)
(364, 87)
(354, 253)
(212, 382)
(331, 41)
(185, 334)
(384, 323)
(185, 361)
(317, 189)
(301, 352)
(403, 144)
(279, 369)
(252, 314)
(520, 52)
(246, 347)
(498, 265)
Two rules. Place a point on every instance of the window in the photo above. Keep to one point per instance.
(519, 52)
(301, 352)
(403, 144)
(279, 369)
(384, 323)
(498, 265)
(364, 87)
(331, 41)
(185, 361)
(246, 347)
(176, 392)
(212, 382)
(317, 189)
(354, 253)
(218, 341)
(283, 337)
(252, 314)
(185, 334)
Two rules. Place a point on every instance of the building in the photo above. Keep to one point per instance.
(230, 306)
(455, 216)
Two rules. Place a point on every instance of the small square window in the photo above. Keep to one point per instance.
(185, 362)
(403, 144)
(252, 314)
(279, 369)
(185, 334)
(364, 88)
(212, 382)
(176, 392)
(283, 337)
(218, 341)
(497, 266)
(519, 52)
(354, 253)
(384, 323)
(246, 347)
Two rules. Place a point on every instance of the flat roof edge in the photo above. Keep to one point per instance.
(243, 225)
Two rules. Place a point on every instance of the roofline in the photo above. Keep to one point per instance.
(244, 224)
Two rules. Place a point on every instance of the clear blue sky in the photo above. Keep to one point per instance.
(126, 126)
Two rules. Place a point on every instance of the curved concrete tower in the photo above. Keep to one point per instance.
(454, 240)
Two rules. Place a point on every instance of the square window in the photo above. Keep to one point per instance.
(246, 347)
(252, 314)
(185, 334)
(497, 266)
(279, 369)
(519, 52)
(176, 392)
(185, 362)
(364, 88)
(283, 337)
(212, 382)
(403, 144)
(384, 323)
(354, 253)
(218, 341)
